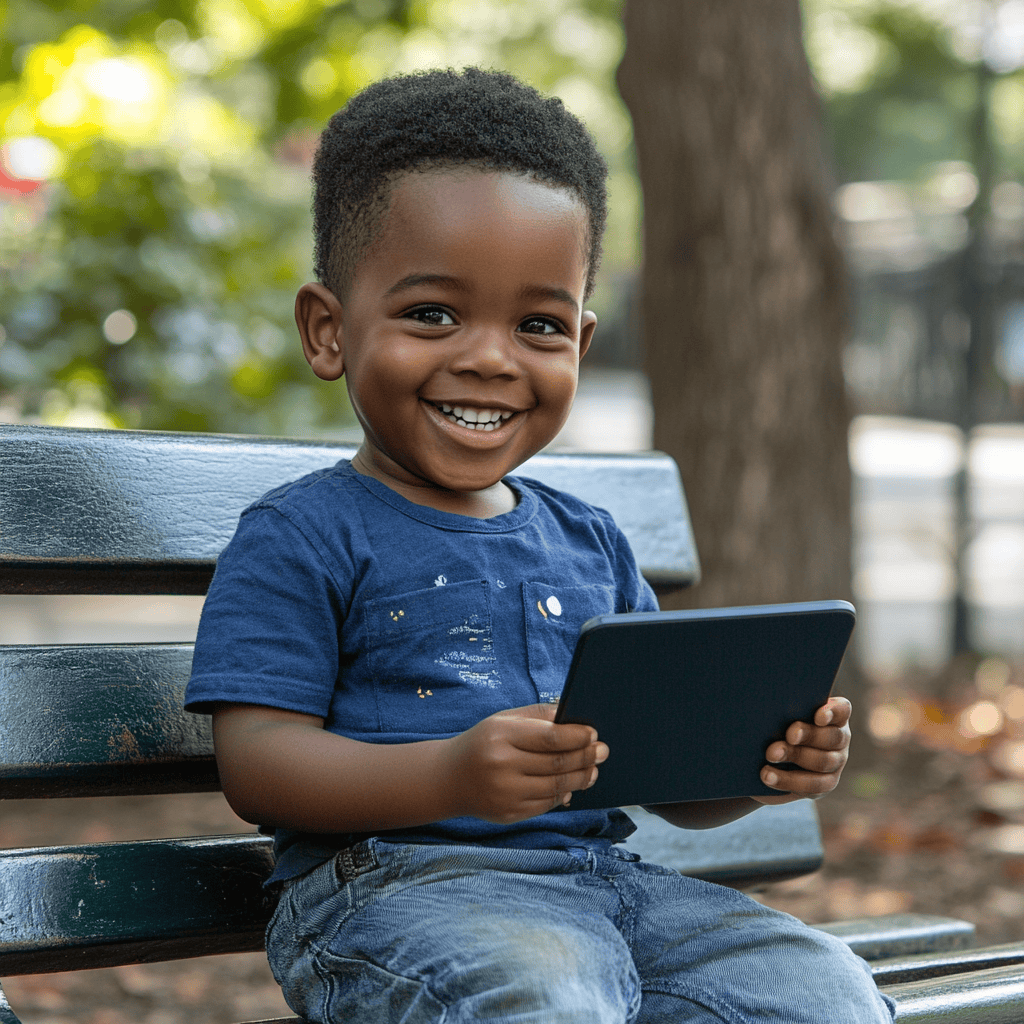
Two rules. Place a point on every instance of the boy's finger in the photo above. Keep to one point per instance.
(547, 736)
(836, 711)
(800, 734)
(547, 792)
(554, 765)
(812, 760)
(564, 786)
(803, 783)
(545, 712)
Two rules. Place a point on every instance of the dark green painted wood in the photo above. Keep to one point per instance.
(85, 720)
(770, 845)
(130, 512)
(898, 969)
(97, 906)
(897, 934)
(94, 719)
(101, 511)
(980, 997)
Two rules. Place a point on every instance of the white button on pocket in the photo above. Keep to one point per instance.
(554, 614)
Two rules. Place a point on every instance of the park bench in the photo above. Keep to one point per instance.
(125, 512)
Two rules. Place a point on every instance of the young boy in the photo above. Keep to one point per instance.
(383, 640)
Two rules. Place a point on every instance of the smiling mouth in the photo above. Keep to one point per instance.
(473, 419)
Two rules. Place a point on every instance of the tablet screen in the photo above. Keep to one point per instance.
(688, 702)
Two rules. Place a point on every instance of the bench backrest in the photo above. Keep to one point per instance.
(133, 512)
(127, 512)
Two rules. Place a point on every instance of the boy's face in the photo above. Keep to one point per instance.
(462, 331)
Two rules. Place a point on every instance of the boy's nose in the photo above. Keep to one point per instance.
(487, 352)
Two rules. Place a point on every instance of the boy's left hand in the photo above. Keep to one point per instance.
(820, 749)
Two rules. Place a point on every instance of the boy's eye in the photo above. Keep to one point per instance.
(540, 325)
(433, 316)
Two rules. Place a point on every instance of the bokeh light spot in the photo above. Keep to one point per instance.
(32, 157)
(982, 718)
(1008, 758)
(119, 327)
(1011, 700)
(123, 81)
(886, 723)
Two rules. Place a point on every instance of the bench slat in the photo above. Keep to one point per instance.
(80, 907)
(103, 511)
(769, 845)
(902, 934)
(978, 997)
(115, 903)
(98, 719)
(900, 969)
(95, 720)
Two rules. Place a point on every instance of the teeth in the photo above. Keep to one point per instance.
(474, 419)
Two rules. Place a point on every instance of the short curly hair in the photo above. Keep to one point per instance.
(479, 118)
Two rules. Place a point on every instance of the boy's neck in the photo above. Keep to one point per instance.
(492, 501)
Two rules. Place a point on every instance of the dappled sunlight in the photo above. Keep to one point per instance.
(885, 446)
(154, 192)
(933, 821)
(85, 85)
(233, 29)
(983, 715)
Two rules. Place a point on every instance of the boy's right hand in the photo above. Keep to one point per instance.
(520, 763)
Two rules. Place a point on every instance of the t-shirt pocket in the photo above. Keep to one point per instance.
(432, 658)
(554, 616)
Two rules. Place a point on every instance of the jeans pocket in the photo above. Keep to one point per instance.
(280, 938)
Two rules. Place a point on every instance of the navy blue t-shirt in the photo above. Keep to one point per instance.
(394, 622)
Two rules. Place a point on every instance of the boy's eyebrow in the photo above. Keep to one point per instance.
(537, 291)
(412, 280)
(540, 291)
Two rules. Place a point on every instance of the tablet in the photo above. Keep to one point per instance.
(689, 701)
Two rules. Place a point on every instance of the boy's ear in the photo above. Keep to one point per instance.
(318, 317)
(587, 324)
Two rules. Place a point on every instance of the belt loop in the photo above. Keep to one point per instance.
(345, 865)
(352, 861)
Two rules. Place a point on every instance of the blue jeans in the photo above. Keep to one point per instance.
(387, 933)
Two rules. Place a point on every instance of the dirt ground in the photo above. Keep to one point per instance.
(931, 820)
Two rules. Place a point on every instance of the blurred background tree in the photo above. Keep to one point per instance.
(154, 181)
(155, 187)
(744, 294)
(926, 106)
(154, 200)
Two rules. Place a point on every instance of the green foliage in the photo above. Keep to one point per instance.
(901, 85)
(150, 280)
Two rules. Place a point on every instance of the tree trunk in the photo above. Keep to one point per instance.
(744, 296)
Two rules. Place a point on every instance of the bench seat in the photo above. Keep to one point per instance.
(133, 512)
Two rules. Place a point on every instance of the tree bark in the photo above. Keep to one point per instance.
(744, 297)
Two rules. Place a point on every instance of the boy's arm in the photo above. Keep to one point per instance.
(820, 749)
(282, 768)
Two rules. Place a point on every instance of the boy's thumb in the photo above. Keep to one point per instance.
(546, 712)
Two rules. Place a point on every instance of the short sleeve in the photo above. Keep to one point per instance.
(269, 631)
(635, 592)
